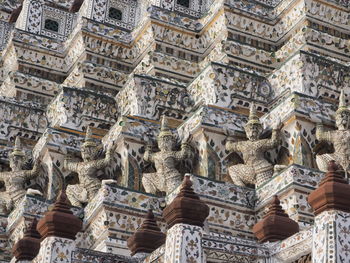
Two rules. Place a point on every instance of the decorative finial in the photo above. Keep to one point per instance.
(253, 116)
(17, 151)
(89, 141)
(276, 225)
(333, 192)
(164, 127)
(186, 208)
(342, 103)
(28, 247)
(148, 237)
(54, 222)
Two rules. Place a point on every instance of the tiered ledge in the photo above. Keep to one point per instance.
(231, 207)
(112, 217)
(293, 186)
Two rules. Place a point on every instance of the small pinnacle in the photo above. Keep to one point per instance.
(332, 166)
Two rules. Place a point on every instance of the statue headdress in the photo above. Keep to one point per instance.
(17, 151)
(89, 141)
(253, 117)
(342, 103)
(164, 128)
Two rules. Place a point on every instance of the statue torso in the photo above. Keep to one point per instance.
(87, 173)
(165, 161)
(14, 184)
(341, 142)
(253, 152)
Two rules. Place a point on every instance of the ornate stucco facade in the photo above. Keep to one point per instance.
(114, 101)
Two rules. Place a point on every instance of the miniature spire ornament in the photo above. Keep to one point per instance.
(148, 237)
(164, 128)
(333, 192)
(342, 103)
(89, 141)
(253, 116)
(17, 151)
(276, 225)
(60, 221)
(28, 247)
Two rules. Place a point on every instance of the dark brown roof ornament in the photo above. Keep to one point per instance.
(60, 221)
(147, 238)
(28, 247)
(276, 225)
(15, 14)
(76, 6)
(333, 192)
(186, 208)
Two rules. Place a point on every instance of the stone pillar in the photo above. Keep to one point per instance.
(58, 229)
(185, 217)
(331, 203)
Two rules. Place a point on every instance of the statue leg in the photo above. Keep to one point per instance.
(76, 194)
(263, 176)
(323, 160)
(5, 203)
(172, 182)
(150, 182)
(242, 174)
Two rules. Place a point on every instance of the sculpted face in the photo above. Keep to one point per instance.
(253, 131)
(166, 143)
(16, 163)
(342, 120)
(89, 153)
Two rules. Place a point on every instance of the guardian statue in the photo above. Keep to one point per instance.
(15, 180)
(340, 138)
(167, 178)
(256, 169)
(89, 183)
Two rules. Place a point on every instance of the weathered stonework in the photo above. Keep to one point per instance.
(113, 69)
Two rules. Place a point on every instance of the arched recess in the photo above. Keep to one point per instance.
(213, 165)
(133, 174)
(302, 153)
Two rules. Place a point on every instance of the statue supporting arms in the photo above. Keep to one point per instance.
(256, 169)
(89, 183)
(15, 180)
(340, 139)
(167, 177)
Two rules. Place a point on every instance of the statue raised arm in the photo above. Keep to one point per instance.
(339, 138)
(167, 177)
(256, 169)
(89, 183)
(14, 180)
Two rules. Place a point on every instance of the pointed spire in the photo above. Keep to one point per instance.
(148, 237)
(186, 208)
(17, 151)
(276, 225)
(164, 127)
(60, 221)
(253, 116)
(76, 6)
(28, 247)
(275, 208)
(89, 141)
(333, 192)
(342, 103)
